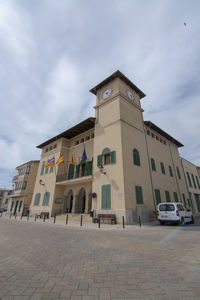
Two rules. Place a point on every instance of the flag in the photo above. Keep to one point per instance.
(73, 159)
(84, 155)
(50, 162)
(60, 160)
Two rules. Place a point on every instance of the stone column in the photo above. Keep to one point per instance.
(75, 201)
(86, 202)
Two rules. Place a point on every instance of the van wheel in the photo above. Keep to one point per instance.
(192, 220)
(162, 223)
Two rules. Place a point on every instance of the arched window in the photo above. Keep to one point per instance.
(162, 168)
(170, 171)
(46, 199)
(106, 158)
(153, 165)
(37, 199)
(136, 157)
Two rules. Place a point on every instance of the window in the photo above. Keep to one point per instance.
(184, 200)
(28, 168)
(46, 150)
(20, 205)
(82, 140)
(42, 168)
(189, 204)
(178, 173)
(148, 132)
(175, 197)
(51, 169)
(166, 207)
(136, 157)
(24, 185)
(107, 157)
(189, 180)
(153, 135)
(50, 148)
(106, 196)
(77, 171)
(138, 193)
(77, 142)
(194, 181)
(197, 182)
(71, 171)
(157, 194)
(55, 146)
(12, 206)
(82, 169)
(165, 143)
(46, 199)
(87, 138)
(46, 170)
(37, 199)
(92, 135)
(157, 138)
(153, 165)
(162, 168)
(170, 171)
(167, 196)
(197, 199)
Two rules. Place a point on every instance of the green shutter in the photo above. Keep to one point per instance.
(197, 198)
(153, 165)
(90, 167)
(167, 196)
(158, 198)
(113, 157)
(37, 199)
(20, 205)
(170, 171)
(175, 197)
(42, 168)
(162, 168)
(46, 199)
(136, 157)
(184, 200)
(99, 161)
(77, 171)
(71, 171)
(51, 169)
(139, 196)
(179, 175)
(194, 181)
(189, 180)
(46, 170)
(198, 182)
(106, 196)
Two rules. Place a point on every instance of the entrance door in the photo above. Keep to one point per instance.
(81, 201)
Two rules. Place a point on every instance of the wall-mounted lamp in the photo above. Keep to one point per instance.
(41, 182)
(101, 169)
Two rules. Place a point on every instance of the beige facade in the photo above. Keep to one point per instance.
(4, 197)
(23, 186)
(131, 164)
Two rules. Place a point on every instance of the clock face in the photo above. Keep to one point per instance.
(130, 95)
(106, 93)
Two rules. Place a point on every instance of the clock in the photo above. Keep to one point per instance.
(130, 95)
(106, 93)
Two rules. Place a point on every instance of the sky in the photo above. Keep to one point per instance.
(52, 52)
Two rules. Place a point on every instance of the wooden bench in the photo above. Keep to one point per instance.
(43, 214)
(107, 217)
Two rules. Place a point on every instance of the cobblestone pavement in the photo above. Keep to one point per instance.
(53, 261)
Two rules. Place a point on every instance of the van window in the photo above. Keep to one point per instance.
(166, 207)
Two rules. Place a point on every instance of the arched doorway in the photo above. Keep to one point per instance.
(68, 202)
(81, 201)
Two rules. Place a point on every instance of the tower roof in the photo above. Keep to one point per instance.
(123, 77)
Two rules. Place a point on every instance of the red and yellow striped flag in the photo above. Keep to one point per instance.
(73, 159)
(60, 160)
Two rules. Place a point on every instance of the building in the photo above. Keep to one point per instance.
(4, 197)
(115, 162)
(23, 186)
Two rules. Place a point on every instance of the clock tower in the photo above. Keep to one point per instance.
(119, 129)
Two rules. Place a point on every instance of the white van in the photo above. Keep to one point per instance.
(173, 212)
